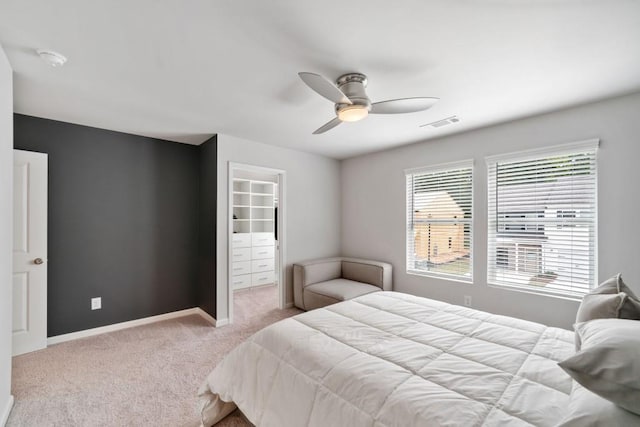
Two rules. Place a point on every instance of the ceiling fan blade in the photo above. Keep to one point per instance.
(328, 126)
(403, 105)
(324, 87)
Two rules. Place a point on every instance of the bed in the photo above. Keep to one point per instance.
(392, 359)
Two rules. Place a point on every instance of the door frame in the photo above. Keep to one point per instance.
(281, 224)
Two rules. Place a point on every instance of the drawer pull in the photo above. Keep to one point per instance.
(238, 268)
(263, 253)
(237, 282)
(263, 265)
(237, 255)
(263, 278)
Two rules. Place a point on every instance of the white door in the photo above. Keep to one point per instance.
(29, 251)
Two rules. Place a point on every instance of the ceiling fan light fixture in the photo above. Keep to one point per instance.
(351, 101)
(353, 113)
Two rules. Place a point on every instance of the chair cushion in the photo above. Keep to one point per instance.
(332, 291)
(321, 270)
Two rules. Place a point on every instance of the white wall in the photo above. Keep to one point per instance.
(6, 234)
(373, 202)
(312, 205)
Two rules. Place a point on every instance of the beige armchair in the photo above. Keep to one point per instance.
(321, 282)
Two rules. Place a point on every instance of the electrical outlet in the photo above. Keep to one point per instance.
(467, 300)
(96, 303)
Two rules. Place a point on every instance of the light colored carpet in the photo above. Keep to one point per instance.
(148, 375)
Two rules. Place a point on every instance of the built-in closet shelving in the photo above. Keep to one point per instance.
(253, 233)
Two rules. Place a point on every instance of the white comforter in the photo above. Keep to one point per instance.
(391, 359)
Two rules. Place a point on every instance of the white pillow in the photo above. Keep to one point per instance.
(612, 298)
(600, 306)
(609, 362)
(588, 409)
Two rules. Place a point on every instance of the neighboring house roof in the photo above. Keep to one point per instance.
(436, 204)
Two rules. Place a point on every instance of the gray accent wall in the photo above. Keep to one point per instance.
(123, 223)
(207, 256)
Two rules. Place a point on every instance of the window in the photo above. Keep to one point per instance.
(542, 220)
(439, 214)
(503, 260)
(566, 214)
(509, 224)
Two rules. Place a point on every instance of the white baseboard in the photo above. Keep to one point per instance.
(4, 417)
(206, 316)
(222, 322)
(130, 324)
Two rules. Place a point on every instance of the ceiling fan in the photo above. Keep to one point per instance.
(352, 103)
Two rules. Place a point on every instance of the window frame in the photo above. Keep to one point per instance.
(528, 155)
(441, 167)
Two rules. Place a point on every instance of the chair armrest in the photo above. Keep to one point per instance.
(376, 273)
(314, 271)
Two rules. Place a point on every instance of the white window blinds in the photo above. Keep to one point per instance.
(439, 222)
(542, 220)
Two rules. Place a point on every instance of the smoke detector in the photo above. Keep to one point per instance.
(442, 122)
(52, 58)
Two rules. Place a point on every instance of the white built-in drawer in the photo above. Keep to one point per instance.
(241, 240)
(241, 254)
(240, 282)
(262, 239)
(242, 267)
(260, 265)
(262, 278)
(262, 252)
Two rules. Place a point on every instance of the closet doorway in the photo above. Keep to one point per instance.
(256, 241)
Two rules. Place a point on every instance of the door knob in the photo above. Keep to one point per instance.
(38, 261)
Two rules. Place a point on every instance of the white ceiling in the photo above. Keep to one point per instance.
(184, 70)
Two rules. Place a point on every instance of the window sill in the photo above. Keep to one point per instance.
(535, 291)
(467, 281)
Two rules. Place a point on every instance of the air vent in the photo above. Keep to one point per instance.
(443, 122)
